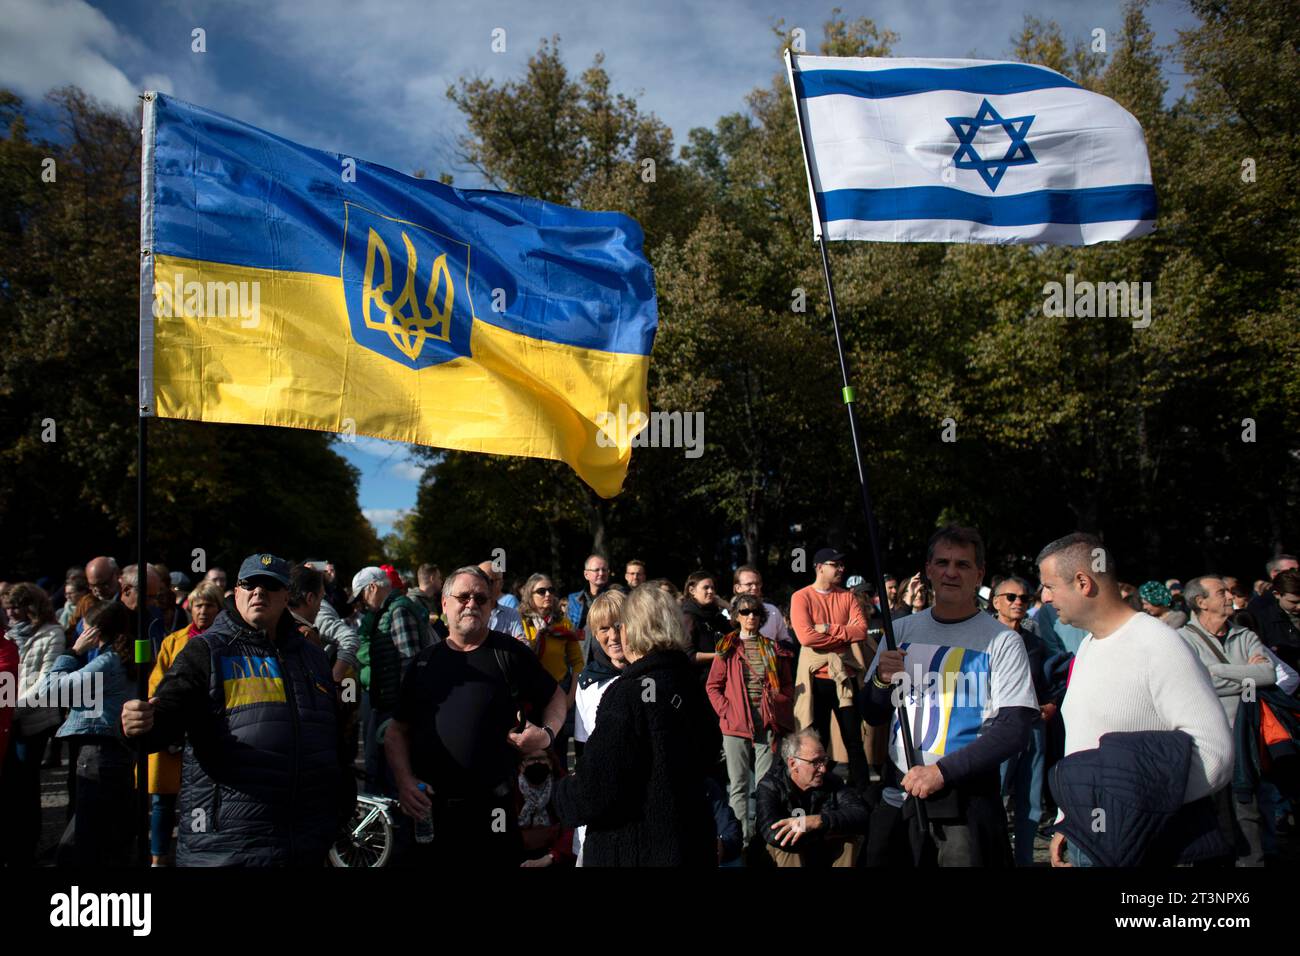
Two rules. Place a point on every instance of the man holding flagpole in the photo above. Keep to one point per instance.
(965, 679)
(943, 150)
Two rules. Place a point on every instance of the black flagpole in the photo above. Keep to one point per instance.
(143, 642)
(850, 396)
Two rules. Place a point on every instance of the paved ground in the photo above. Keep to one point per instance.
(54, 811)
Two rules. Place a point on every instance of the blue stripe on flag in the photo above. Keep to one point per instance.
(993, 79)
(1066, 206)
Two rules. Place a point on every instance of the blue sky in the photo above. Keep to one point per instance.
(369, 79)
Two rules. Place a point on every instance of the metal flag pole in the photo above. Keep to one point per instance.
(143, 643)
(850, 396)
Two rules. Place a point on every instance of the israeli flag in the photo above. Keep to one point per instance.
(918, 150)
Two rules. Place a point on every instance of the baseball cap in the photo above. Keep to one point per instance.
(264, 566)
(853, 582)
(180, 581)
(827, 554)
(368, 576)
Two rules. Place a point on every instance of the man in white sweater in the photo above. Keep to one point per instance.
(1131, 673)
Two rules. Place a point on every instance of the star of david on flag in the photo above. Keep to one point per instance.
(990, 170)
(930, 150)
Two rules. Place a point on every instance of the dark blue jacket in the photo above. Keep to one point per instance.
(730, 834)
(1123, 802)
(1274, 628)
(264, 780)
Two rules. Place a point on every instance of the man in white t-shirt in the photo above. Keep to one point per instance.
(1131, 673)
(970, 699)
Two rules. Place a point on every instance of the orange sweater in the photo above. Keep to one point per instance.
(837, 608)
(165, 767)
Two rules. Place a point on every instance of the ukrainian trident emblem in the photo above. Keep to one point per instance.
(403, 295)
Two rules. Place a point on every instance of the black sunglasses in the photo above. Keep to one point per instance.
(477, 597)
(1013, 598)
(543, 590)
(266, 584)
(746, 612)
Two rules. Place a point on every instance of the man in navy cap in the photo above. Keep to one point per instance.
(266, 778)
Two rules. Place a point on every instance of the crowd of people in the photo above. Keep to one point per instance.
(632, 724)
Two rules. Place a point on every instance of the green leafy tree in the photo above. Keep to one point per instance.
(69, 307)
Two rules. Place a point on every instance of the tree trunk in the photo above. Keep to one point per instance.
(552, 531)
(595, 508)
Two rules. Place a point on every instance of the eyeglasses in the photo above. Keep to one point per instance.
(1013, 598)
(478, 597)
(834, 564)
(266, 584)
(543, 590)
(747, 612)
(597, 570)
(816, 762)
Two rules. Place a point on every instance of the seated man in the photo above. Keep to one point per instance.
(807, 816)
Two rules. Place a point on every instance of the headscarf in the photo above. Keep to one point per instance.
(728, 645)
(20, 633)
(1155, 593)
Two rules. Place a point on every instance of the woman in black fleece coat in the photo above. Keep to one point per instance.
(639, 788)
(708, 625)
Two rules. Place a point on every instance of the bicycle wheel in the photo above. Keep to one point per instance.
(369, 841)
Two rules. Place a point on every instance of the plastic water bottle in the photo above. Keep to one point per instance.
(424, 826)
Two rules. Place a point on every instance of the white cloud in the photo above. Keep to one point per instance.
(406, 470)
(382, 517)
(394, 458)
(158, 82)
(45, 45)
(376, 447)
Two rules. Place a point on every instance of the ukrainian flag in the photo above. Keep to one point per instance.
(288, 286)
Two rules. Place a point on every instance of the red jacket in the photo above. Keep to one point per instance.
(8, 665)
(726, 689)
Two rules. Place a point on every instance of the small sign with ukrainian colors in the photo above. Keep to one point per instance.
(251, 680)
(282, 285)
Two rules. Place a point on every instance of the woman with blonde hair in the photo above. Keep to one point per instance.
(605, 622)
(640, 789)
(549, 632)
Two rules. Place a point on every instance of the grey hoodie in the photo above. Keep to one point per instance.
(333, 629)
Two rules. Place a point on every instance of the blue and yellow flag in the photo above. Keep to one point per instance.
(289, 286)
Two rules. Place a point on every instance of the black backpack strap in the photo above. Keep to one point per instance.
(507, 671)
